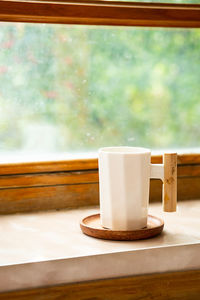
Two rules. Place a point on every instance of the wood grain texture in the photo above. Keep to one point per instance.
(188, 188)
(48, 166)
(13, 200)
(74, 183)
(101, 13)
(184, 159)
(46, 198)
(48, 179)
(188, 170)
(72, 177)
(80, 164)
(167, 286)
(170, 182)
(91, 226)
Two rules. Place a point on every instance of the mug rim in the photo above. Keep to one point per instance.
(124, 150)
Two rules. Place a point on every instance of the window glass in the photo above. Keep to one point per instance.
(78, 88)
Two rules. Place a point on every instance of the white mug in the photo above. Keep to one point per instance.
(124, 178)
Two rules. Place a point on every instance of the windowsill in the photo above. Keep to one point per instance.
(26, 157)
(45, 249)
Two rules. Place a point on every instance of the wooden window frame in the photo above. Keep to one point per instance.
(74, 183)
(89, 12)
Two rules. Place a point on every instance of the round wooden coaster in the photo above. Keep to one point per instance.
(91, 226)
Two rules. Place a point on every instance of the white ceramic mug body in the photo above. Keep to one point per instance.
(124, 177)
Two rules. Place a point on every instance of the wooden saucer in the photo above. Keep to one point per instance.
(91, 226)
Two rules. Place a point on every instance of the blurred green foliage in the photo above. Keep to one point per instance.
(77, 88)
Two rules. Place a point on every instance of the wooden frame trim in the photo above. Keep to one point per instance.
(73, 178)
(174, 285)
(74, 183)
(101, 13)
(79, 164)
(67, 196)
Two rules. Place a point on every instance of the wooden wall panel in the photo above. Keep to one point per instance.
(50, 197)
(167, 286)
(188, 188)
(48, 179)
(72, 177)
(14, 200)
(74, 183)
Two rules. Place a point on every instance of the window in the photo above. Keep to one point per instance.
(78, 87)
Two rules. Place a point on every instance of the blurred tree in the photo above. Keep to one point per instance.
(99, 86)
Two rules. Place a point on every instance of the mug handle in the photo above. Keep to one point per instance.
(167, 172)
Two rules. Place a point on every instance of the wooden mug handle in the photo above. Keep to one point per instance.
(170, 182)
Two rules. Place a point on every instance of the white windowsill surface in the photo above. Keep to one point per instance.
(48, 248)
